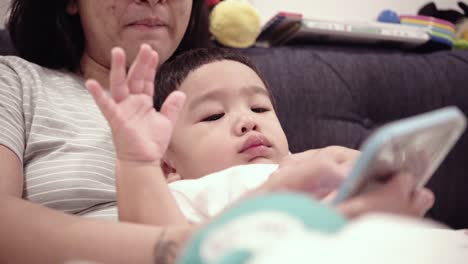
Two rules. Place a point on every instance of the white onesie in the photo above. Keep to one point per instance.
(200, 199)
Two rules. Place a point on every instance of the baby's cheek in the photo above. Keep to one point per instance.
(219, 156)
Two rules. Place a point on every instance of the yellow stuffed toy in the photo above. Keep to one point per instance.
(235, 23)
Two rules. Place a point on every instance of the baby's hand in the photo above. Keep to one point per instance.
(139, 132)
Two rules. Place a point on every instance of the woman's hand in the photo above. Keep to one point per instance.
(139, 132)
(318, 172)
(396, 196)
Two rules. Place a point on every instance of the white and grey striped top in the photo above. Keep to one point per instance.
(50, 121)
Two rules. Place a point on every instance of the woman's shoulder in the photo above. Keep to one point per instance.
(26, 72)
(16, 63)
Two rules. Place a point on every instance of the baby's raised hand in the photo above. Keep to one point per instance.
(139, 132)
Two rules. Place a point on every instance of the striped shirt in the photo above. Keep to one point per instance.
(51, 122)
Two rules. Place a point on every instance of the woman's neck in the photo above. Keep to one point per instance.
(91, 69)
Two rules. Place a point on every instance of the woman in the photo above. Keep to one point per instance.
(56, 152)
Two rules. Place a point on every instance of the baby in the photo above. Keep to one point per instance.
(228, 119)
(215, 112)
(215, 116)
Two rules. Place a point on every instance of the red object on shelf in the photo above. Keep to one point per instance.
(212, 3)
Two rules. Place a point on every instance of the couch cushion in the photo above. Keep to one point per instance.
(337, 96)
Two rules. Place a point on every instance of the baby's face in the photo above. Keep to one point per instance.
(228, 119)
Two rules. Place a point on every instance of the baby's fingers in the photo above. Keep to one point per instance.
(138, 73)
(173, 105)
(104, 102)
(118, 75)
(150, 74)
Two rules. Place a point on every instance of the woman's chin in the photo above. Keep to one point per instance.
(160, 46)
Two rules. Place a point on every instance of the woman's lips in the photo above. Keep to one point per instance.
(147, 24)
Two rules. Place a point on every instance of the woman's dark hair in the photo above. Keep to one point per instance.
(44, 33)
(172, 73)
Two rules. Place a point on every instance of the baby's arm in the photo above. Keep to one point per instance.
(141, 136)
(143, 195)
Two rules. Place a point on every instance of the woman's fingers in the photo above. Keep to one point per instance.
(307, 172)
(422, 200)
(400, 184)
(173, 105)
(104, 102)
(396, 196)
(346, 157)
(117, 76)
(137, 74)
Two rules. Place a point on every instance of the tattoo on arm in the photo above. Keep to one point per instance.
(165, 251)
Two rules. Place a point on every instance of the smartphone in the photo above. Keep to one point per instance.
(416, 145)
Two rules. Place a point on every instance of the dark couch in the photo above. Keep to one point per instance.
(337, 95)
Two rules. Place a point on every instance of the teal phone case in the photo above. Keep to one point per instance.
(416, 145)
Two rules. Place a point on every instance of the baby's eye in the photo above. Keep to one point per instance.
(260, 109)
(212, 118)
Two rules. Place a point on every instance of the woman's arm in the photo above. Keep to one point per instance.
(35, 234)
(11, 177)
(31, 233)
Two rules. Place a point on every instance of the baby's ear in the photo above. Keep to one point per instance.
(172, 177)
(169, 171)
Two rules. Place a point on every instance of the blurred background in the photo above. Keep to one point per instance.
(330, 9)
(356, 10)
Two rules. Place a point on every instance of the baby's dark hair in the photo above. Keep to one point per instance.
(172, 73)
